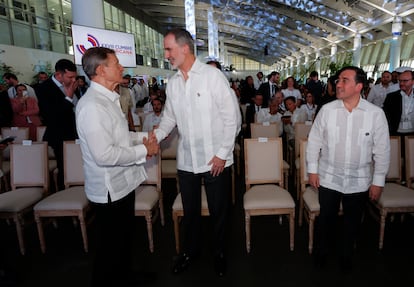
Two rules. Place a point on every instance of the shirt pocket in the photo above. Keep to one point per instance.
(365, 138)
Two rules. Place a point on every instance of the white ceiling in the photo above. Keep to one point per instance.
(289, 28)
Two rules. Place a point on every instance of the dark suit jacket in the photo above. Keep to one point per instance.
(57, 114)
(6, 111)
(250, 112)
(393, 109)
(264, 90)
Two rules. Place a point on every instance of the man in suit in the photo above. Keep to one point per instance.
(251, 111)
(56, 107)
(268, 89)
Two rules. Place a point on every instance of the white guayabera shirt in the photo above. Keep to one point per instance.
(349, 150)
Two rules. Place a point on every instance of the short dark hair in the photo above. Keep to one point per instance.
(64, 65)
(9, 76)
(80, 77)
(94, 57)
(291, 98)
(314, 74)
(182, 37)
(360, 75)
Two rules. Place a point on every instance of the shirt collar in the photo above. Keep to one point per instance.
(112, 95)
(195, 68)
(362, 104)
(59, 84)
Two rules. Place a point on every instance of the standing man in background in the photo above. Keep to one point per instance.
(113, 161)
(348, 156)
(207, 125)
(56, 107)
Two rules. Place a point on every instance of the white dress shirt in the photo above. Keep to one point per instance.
(264, 116)
(407, 116)
(207, 116)
(150, 121)
(298, 116)
(349, 150)
(291, 93)
(112, 159)
(378, 93)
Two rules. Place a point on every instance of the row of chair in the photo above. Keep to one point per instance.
(29, 177)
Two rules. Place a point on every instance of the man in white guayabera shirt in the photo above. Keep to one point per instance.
(207, 125)
(348, 155)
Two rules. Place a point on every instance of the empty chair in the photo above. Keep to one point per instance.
(29, 178)
(169, 155)
(70, 202)
(149, 196)
(265, 193)
(301, 132)
(178, 213)
(395, 198)
(266, 130)
(40, 130)
(308, 197)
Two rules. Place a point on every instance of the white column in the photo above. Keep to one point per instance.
(213, 46)
(43, 40)
(298, 68)
(318, 61)
(334, 49)
(395, 47)
(190, 23)
(216, 40)
(307, 61)
(88, 13)
(222, 50)
(356, 60)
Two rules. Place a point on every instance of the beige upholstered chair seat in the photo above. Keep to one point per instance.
(267, 196)
(310, 197)
(178, 202)
(146, 197)
(71, 198)
(17, 200)
(396, 196)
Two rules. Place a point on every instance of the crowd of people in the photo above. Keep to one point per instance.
(206, 110)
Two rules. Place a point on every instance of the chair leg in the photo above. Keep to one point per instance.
(41, 233)
(292, 230)
(176, 232)
(19, 230)
(247, 222)
(83, 231)
(382, 228)
(148, 219)
(161, 206)
(300, 220)
(311, 231)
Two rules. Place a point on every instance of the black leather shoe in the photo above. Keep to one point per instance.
(181, 263)
(220, 265)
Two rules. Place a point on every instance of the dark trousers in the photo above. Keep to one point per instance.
(217, 191)
(353, 207)
(113, 258)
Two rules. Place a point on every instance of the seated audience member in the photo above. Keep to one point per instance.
(152, 120)
(82, 87)
(378, 92)
(248, 91)
(25, 111)
(309, 106)
(12, 81)
(148, 106)
(6, 111)
(271, 114)
(292, 116)
(251, 110)
(41, 77)
(290, 89)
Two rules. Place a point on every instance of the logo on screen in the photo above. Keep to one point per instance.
(93, 43)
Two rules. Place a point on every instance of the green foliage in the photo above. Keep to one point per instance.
(335, 67)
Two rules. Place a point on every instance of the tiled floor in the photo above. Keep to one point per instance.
(270, 262)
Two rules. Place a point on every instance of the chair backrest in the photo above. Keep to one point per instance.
(266, 130)
(243, 108)
(169, 145)
(409, 160)
(301, 132)
(29, 165)
(73, 165)
(20, 133)
(303, 171)
(153, 170)
(395, 169)
(40, 131)
(263, 161)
